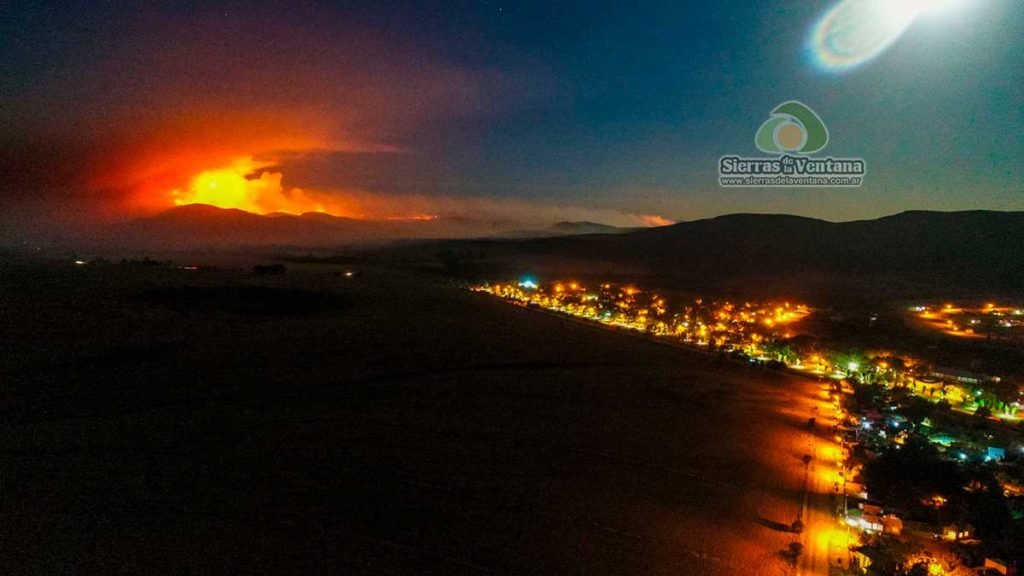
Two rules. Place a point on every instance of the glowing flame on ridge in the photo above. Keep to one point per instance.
(250, 185)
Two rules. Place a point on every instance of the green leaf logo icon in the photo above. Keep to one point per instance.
(792, 128)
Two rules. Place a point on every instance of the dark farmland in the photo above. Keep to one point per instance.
(384, 424)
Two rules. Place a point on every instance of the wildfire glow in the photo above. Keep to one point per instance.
(257, 186)
(249, 185)
(655, 220)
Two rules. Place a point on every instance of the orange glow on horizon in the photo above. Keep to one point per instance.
(249, 185)
(416, 217)
(246, 168)
(656, 220)
(255, 186)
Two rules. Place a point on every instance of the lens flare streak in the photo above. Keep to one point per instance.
(855, 32)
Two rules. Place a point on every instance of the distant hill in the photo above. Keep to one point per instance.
(204, 226)
(975, 250)
(199, 225)
(568, 228)
(579, 228)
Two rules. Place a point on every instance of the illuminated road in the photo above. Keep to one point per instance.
(826, 541)
(809, 487)
(470, 437)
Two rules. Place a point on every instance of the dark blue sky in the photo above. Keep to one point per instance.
(618, 106)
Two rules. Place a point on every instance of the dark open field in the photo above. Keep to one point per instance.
(383, 424)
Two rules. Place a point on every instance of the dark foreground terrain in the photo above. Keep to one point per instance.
(170, 421)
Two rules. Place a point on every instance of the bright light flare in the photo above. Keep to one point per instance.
(855, 32)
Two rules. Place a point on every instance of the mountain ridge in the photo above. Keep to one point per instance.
(971, 249)
(206, 226)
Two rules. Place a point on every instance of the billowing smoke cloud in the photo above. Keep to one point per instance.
(159, 98)
(165, 112)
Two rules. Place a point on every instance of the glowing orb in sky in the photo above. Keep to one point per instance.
(856, 31)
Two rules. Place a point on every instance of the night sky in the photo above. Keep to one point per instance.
(610, 111)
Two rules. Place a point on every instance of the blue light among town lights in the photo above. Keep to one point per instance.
(528, 283)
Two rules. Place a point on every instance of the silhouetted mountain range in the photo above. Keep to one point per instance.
(204, 226)
(578, 228)
(568, 228)
(976, 249)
